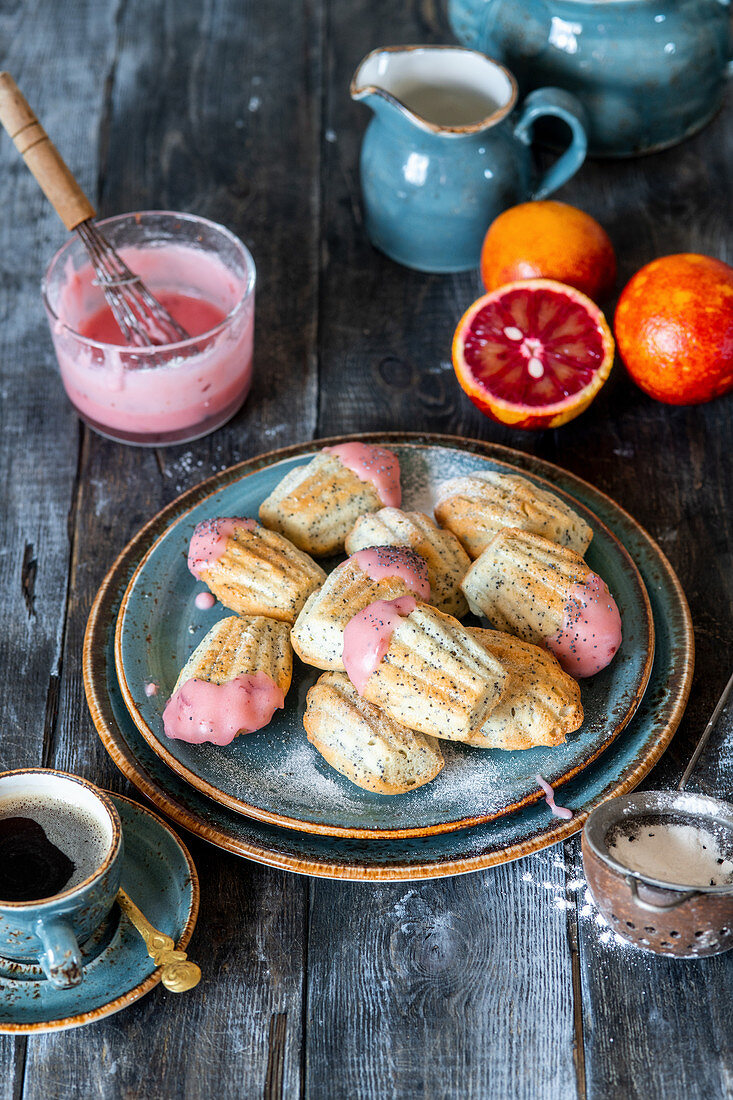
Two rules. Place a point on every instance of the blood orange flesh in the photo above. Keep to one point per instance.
(533, 353)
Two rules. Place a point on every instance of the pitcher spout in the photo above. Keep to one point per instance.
(371, 83)
(445, 90)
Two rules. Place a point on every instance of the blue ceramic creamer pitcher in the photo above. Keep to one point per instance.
(445, 152)
(649, 72)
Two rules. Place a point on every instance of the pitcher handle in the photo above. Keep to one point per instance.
(561, 104)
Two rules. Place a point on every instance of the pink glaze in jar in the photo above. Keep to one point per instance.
(375, 464)
(201, 711)
(368, 634)
(590, 634)
(209, 540)
(395, 561)
(176, 392)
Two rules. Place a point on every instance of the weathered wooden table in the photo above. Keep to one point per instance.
(491, 985)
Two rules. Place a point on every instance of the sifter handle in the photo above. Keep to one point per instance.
(42, 156)
(712, 722)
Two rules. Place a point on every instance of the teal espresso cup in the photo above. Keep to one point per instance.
(60, 866)
(448, 149)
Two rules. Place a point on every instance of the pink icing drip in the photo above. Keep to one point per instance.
(367, 637)
(151, 689)
(375, 464)
(558, 811)
(209, 541)
(591, 629)
(204, 601)
(395, 561)
(201, 711)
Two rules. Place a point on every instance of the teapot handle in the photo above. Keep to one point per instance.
(561, 104)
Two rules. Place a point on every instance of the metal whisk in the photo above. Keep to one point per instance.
(142, 319)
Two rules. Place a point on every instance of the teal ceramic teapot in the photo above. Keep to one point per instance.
(649, 72)
(446, 152)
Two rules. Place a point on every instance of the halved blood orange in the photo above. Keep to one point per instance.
(533, 354)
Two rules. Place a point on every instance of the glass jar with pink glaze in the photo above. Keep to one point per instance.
(205, 277)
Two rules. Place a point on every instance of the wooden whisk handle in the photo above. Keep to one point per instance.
(42, 156)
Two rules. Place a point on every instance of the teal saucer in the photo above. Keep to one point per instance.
(159, 875)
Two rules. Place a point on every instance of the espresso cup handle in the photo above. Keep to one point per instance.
(61, 957)
(564, 105)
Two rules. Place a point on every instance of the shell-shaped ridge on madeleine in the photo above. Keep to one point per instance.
(435, 677)
(446, 559)
(542, 705)
(262, 573)
(318, 633)
(364, 744)
(317, 504)
(522, 582)
(239, 645)
(477, 507)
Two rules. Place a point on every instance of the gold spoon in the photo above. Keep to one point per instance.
(179, 974)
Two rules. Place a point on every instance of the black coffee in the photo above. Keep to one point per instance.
(31, 867)
(47, 846)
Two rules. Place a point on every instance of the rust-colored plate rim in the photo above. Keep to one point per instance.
(270, 817)
(67, 1023)
(94, 683)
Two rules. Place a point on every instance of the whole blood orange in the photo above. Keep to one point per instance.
(549, 240)
(533, 354)
(674, 326)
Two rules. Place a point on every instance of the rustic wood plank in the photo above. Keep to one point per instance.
(12, 1066)
(455, 988)
(39, 431)
(55, 62)
(196, 95)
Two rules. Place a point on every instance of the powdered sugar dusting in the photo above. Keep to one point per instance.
(684, 854)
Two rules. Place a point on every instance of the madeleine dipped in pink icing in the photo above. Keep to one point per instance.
(590, 634)
(395, 561)
(446, 559)
(378, 573)
(233, 682)
(209, 540)
(316, 504)
(422, 668)
(252, 570)
(375, 465)
(546, 594)
(203, 711)
(368, 634)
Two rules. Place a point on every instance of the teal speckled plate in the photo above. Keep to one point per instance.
(618, 770)
(159, 875)
(275, 775)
